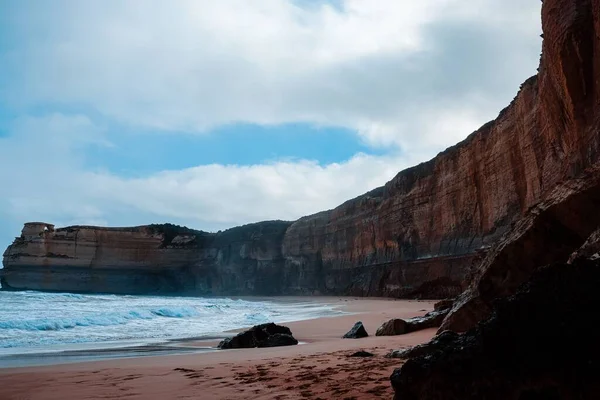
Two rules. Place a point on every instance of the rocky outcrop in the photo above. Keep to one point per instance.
(552, 229)
(421, 235)
(550, 232)
(538, 344)
(265, 335)
(530, 312)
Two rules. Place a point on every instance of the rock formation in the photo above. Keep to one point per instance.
(531, 309)
(392, 327)
(420, 235)
(357, 331)
(397, 326)
(570, 92)
(538, 344)
(148, 259)
(264, 335)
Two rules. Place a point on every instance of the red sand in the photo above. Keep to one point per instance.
(319, 369)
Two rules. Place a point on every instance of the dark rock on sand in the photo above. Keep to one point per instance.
(265, 335)
(362, 353)
(432, 319)
(443, 304)
(278, 339)
(398, 326)
(358, 331)
(538, 344)
(392, 327)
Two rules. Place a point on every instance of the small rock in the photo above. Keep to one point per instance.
(361, 353)
(358, 331)
(392, 327)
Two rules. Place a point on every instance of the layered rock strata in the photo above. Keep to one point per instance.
(420, 235)
(149, 259)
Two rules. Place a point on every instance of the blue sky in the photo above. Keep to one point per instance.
(213, 114)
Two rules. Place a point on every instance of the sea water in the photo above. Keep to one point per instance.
(35, 322)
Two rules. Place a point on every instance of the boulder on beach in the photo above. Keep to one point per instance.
(392, 327)
(265, 335)
(278, 339)
(432, 319)
(358, 331)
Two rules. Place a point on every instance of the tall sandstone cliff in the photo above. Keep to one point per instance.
(422, 234)
(538, 285)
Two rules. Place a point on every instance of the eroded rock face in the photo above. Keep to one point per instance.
(420, 235)
(149, 259)
(538, 344)
(551, 232)
(569, 90)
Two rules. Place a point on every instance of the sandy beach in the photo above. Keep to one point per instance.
(319, 368)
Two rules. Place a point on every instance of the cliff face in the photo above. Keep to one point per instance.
(555, 227)
(147, 259)
(419, 235)
(538, 285)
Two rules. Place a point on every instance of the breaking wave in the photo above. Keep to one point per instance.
(108, 319)
(40, 322)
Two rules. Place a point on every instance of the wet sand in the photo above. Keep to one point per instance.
(319, 368)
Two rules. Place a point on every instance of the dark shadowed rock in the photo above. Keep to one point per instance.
(392, 327)
(278, 339)
(538, 344)
(589, 250)
(436, 344)
(432, 319)
(358, 331)
(362, 353)
(443, 304)
(265, 335)
(398, 326)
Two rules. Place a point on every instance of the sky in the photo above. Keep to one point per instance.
(212, 114)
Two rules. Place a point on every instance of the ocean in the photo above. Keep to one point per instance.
(36, 322)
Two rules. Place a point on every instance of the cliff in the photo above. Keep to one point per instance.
(146, 259)
(421, 235)
(556, 226)
(537, 286)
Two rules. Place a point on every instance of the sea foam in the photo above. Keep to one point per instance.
(35, 321)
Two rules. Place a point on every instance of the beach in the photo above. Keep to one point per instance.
(319, 367)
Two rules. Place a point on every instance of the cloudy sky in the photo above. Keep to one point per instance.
(213, 113)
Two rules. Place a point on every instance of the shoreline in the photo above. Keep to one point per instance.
(262, 373)
(60, 353)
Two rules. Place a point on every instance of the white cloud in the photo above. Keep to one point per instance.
(370, 66)
(48, 182)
